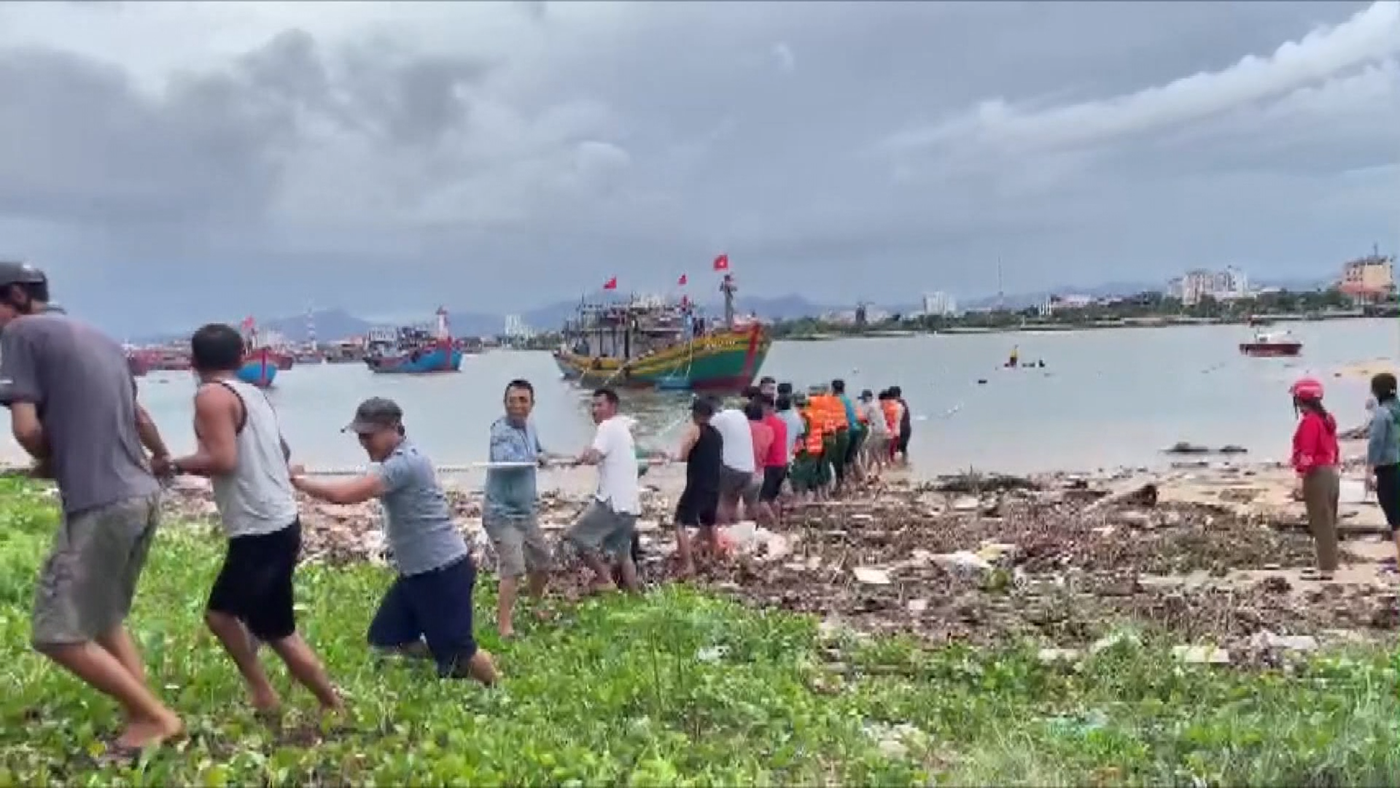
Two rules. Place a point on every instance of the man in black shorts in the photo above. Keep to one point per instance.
(241, 451)
(702, 452)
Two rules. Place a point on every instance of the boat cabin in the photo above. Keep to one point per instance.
(631, 329)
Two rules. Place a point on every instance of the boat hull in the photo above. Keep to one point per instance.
(259, 368)
(1271, 349)
(285, 361)
(442, 358)
(724, 361)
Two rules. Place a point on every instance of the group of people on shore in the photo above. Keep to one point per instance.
(1316, 458)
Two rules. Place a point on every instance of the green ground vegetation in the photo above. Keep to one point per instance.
(677, 688)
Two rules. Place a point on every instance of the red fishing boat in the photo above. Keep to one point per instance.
(1272, 344)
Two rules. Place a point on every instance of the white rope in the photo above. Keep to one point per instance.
(468, 468)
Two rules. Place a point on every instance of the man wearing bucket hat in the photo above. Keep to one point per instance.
(429, 605)
(1315, 457)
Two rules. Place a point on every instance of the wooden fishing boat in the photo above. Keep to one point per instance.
(259, 361)
(661, 344)
(416, 351)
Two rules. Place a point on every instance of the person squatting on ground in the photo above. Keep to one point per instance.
(1383, 453)
(701, 450)
(738, 469)
(427, 610)
(606, 527)
(73, 409)
(1315, 457)
(242, 452)
(510, 513)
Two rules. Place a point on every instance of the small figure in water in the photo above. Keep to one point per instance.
(1015, 360)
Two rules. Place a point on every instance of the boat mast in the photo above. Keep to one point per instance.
(728, 287)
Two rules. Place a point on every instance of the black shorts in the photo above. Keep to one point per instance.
(903, 445)
(773, 477)
(433, 606)
(1388, 495)
(698, 508)
(255, 583)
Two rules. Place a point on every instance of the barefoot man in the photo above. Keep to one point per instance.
(509, 515)
(605, 528)
(241, 451)
(428, 608)
(73, 408)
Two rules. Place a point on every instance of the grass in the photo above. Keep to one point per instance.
(678, 688)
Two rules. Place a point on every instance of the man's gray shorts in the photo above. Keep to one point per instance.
(87, 583)
(739, 485)
(600, 529)
(519, 542)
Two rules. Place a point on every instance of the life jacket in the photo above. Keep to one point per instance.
(813, 443)
(891, 411)
(838, 411)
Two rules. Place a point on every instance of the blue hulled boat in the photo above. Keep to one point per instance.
(417, 351)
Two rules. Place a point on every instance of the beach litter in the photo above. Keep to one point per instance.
(1067, 561)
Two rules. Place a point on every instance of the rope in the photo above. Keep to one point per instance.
(468, 468)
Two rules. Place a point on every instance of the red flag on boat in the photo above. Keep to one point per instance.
(682, 281)
(611, 284)
(722, 263)
(248, 322)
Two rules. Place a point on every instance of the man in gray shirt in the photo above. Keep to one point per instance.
(430, 603)
(509, 515)
(73, 408)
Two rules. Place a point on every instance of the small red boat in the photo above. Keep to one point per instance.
(1272, 345)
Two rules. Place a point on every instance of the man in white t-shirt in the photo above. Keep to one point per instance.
(607, 525)
(737, 474)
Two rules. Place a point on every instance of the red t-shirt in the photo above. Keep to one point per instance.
(778, 452)
(762, 442)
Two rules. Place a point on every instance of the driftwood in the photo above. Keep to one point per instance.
(1140, 495)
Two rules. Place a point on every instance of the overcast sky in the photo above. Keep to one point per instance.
(172, 162)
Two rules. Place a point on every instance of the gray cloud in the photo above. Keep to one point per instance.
(217, 158)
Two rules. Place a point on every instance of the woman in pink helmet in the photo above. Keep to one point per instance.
(1315, 457)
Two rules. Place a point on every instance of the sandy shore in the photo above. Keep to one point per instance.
(1206, 552)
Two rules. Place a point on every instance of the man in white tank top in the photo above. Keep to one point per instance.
(242, 452)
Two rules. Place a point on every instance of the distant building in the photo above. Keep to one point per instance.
(1063, 303)
(1199, 283)
(1369, 279)
(939, 304)
(517, 328)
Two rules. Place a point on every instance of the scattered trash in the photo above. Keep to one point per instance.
(1202, 655)
(871, 577)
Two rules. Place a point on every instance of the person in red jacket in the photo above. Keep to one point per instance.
(1315, 458)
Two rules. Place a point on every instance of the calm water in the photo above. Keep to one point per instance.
(1105, 398)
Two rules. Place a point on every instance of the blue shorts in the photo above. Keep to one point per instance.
(433, 606)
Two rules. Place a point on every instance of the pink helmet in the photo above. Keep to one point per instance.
(1306, 388)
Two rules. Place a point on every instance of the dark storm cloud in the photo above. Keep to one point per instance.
(466, 149)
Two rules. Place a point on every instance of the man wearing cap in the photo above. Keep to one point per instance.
(606, 527)
(73, 408)
(429, 604)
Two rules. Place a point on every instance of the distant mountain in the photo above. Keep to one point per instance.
(334, 324)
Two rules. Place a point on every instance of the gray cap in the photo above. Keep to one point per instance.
(374, 414)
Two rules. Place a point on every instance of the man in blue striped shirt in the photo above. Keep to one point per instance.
(509, 514)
